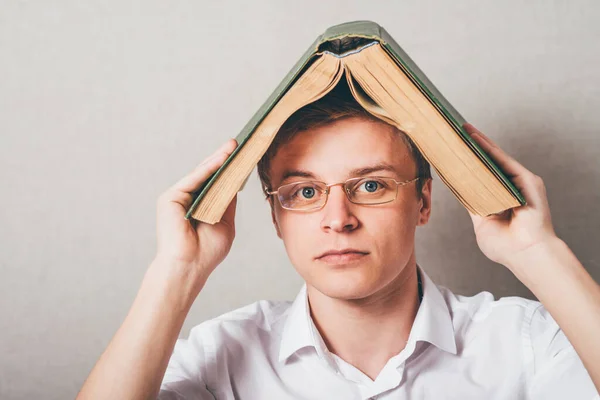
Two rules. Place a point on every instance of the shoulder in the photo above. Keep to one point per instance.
(525, 321)
(484, 306)
(259, 317)
(262, 315)
(518, 335)
(513, 321)
(214, 349)
(207, 353)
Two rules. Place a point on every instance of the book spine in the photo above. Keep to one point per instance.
(454, 118)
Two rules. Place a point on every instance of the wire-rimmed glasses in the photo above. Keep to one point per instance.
(313, 195)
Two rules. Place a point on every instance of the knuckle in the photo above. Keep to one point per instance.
(185, 197)
(530, 177)
(176, 196)
(164, 197)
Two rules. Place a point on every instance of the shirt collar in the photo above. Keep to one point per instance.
(298, 331)
(432, 323)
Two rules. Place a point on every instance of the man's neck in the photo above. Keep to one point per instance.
(368, 332)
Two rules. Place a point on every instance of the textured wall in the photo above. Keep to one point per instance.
(105, 104)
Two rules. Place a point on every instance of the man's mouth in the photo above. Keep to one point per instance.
(341, 256)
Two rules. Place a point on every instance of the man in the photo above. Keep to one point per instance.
(347, 192)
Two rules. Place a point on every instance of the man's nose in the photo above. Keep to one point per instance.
(338, 213)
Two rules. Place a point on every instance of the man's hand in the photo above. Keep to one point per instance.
(189, 243)
(523, 240)
(504, 236)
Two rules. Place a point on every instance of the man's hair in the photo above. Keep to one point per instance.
(336, 105)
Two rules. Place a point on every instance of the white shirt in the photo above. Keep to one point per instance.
(458, 348)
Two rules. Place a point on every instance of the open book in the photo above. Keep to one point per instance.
(388, 84)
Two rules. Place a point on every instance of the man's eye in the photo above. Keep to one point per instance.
(308, 192)
(305, 192)
(370, 186)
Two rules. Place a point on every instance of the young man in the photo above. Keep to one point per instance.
(347, 193)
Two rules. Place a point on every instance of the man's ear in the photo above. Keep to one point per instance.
(425, 202)
(275, 224)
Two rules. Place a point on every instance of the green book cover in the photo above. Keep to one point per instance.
(370, 31)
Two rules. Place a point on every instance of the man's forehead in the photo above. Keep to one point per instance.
(344, 149)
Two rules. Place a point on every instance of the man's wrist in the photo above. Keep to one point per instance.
(529, 265)
(180, 283)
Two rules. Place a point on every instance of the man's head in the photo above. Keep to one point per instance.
(329, 141)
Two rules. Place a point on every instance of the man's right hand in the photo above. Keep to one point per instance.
(134, 363)
(196, 246)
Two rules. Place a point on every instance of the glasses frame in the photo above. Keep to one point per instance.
(346, 191)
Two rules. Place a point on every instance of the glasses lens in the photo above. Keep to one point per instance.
(371, 190)
(302, 195)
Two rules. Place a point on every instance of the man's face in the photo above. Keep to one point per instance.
(383, 235)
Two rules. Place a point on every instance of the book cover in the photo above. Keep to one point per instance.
(326, 42)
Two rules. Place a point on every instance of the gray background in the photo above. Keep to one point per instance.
(105, 104)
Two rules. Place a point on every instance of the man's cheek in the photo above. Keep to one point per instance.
(298, 247)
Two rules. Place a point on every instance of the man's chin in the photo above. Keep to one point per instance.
(345, 288)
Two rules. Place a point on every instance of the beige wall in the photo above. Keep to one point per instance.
(104, 104)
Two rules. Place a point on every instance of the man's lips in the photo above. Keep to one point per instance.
(341, 256)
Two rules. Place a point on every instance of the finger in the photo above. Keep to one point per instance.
(229, 215)
(225, 148)
(510, 166)
(192, 182)
(530, 185)
(477, 219)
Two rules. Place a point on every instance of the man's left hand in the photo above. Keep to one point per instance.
(502, 237)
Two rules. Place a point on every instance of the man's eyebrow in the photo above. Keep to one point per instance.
(291, 173)
(298, 173)
(374, 168)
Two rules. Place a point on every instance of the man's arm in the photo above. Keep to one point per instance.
(523, 240)
(557, 278)
(134, 363)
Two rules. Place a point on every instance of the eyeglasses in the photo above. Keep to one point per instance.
(312, 195)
